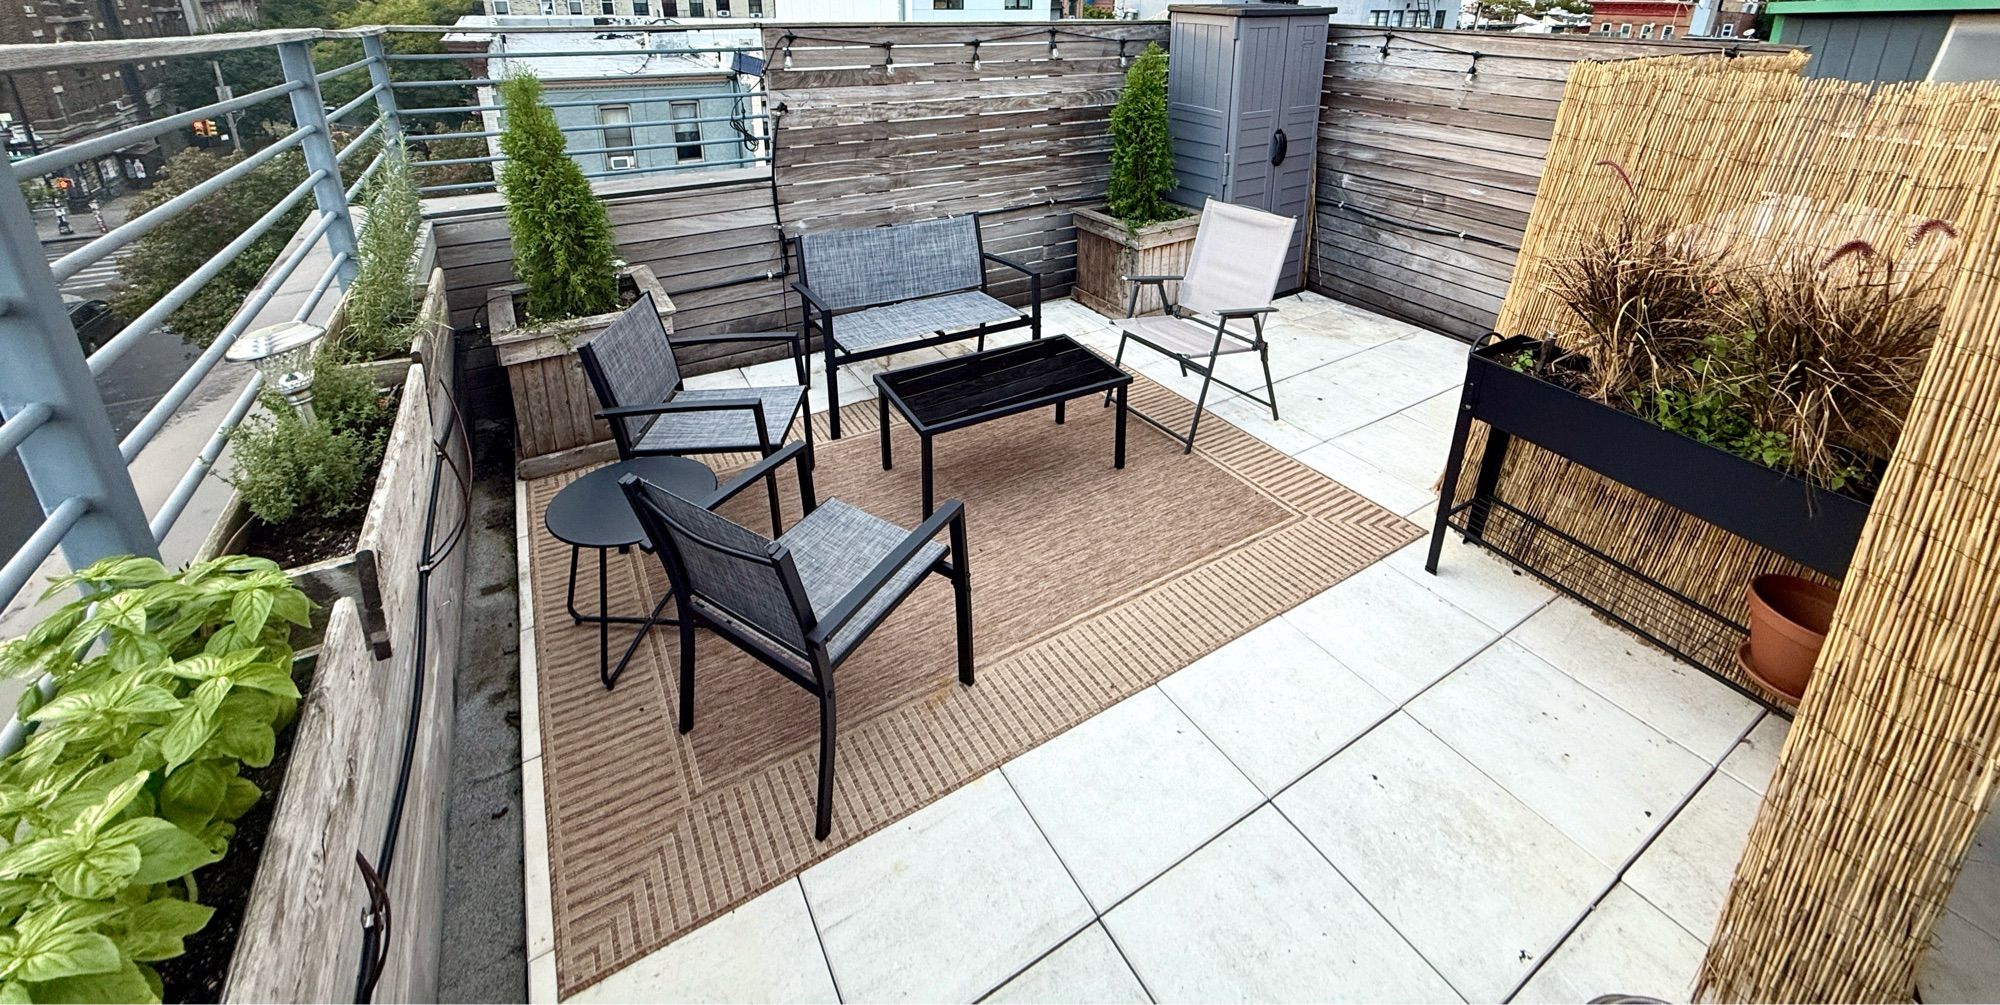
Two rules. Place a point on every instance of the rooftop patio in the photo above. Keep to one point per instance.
(1229, 739)
(1490, 792)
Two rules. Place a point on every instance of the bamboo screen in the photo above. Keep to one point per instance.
(1891, 763)
(1752, 154)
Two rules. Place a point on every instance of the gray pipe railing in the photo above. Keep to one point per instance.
(56, 423)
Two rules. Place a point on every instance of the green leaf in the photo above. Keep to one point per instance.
(249, 611)
(37, 857)
(269, 678)
(166, 851)
(128, 982)
(14, 993)
(188, 732)
(155, 930)
(99, 871)
(193, 793)
(66, 955)
(94, 819)
(242, 795)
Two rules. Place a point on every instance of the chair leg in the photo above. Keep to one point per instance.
(1199, 402)
(799, 364)
(961, 590)
(777, 515)
(823, 814)
(1270, 386)
(687, 671)
(1118, 362)
(806, 429)
(832, 392)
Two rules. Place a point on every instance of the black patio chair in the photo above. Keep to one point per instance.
(637, 381)
(803, 603)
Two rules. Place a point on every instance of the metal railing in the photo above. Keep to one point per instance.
(56, 422)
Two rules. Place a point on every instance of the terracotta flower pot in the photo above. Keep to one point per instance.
(1789, 617)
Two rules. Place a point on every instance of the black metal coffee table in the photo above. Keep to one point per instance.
(966, 390)
(591, 512)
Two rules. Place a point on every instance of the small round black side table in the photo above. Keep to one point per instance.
(592, 512)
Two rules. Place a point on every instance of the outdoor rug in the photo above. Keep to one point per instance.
(1089, 584)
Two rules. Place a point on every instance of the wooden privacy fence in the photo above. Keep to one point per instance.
(880, 125)
(1755, 153)
(1431, 147)
(1892, 761)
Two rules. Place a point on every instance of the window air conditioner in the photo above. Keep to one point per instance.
(621, 162)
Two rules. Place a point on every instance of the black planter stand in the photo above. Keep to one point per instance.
(1776, 510)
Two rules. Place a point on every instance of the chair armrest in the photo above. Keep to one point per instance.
(806, 294)
(755, 472)
(1151, 279)
(1244, 312)
(951, 512)
(1008, 262)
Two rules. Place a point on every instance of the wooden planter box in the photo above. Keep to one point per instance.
(555, 411)
(1106, 250)
(1815, 527)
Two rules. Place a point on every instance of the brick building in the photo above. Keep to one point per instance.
(1654, 20)
(48, 108)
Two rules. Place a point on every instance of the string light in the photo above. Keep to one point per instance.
(1055, 51)
(788, 51)
(1124, 60)
(1386, 39)
(888, 58)
(975, 57)
(1472, 70)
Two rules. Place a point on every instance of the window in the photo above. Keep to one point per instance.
(1378, 18)
(1729, 29)
(607, 8)
(576, 6)
(1020, 5)
(1604, 28)
(756, 8)
(1624, 31)
(499, 6)
(696, 9)
(687, 132)
(1667, 32)
(1645, 31)
(642, 8)
(616, 121)
(1438, 20)
(947, 4)
(722, 8)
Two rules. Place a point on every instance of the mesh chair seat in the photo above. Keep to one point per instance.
(722, 429)
(1181, 335)
(915, 319)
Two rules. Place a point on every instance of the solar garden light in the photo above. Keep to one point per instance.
(283, 353)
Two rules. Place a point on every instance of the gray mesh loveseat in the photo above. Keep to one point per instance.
(882, 290)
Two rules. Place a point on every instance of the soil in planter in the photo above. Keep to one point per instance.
(303, 540)
(198, 974)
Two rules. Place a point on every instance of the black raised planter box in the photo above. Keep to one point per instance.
(1779, 511)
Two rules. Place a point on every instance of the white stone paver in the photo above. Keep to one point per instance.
(1129, 793)
(763, 951)
(1753, 760)
(1406, 856)
(1259, 915)
(1085, 970)
(945, 904)
(1416, 828)
(1625, 947)
(1475, 580)
(1275, 703)
(1696, 710)
(1686, 872)
(1390, 631)
(1600, 775)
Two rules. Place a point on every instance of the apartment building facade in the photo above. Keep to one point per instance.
(873, 11)
(1663, 20)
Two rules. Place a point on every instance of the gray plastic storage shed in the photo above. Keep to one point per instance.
(1243, 91)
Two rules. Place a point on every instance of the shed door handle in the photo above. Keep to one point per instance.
(1278, 145)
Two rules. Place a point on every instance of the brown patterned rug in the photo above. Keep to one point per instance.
(1089, 584)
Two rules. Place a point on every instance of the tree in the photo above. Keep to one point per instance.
(1142, 155)
(172, 251)
(561, 234)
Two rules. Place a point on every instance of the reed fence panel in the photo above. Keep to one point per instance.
(1431, 148)
(1762, 159)
(1892, 761)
